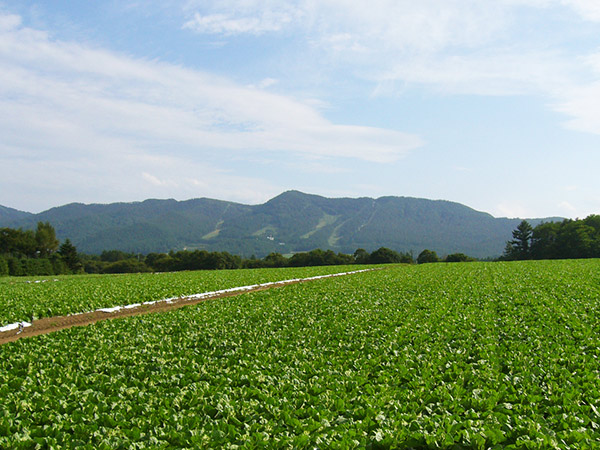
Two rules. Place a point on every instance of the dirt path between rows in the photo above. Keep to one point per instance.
(51, 324)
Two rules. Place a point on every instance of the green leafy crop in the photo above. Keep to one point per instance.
(441, 356)
(34, 298)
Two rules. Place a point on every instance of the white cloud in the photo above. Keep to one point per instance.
(68, 97)
(227, 25)
(82, 123)
(454, 47)
(267, 82)
(9, 22)
(566, 206)
(581, 101)
(503, 72)
(588, 9)
(424, 25)
(117, 178)
(510, 210)
(155, 181)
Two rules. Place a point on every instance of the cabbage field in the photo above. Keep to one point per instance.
(37, 297)
(441, 356)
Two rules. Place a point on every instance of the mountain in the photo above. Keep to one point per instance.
(291, 222)
(10, 214)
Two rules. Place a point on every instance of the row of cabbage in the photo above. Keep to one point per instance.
(478, 355)
(27, 299)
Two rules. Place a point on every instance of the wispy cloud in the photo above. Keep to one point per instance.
(86, 99)
(68, 109)
(228, 25)
(453, 47)
(581, 101)
(588, 9)
(566, 206)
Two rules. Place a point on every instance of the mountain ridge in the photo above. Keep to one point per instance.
(290, 222)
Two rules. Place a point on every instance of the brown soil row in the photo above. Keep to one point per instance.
(50, 324)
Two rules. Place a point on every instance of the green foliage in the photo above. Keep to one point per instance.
(437, 356)
(385, 256)
(320, 257)
(37, 266)
(115, 255)
(204, 260)
(15, 266)
(361, 256)
(3, 267)
(569, 239)
(59, 267)
(458, 257)
(275, 260)
(45, 237)
(69, 256)
(126, 266)
(27, 243)
(520, 247)
(34, 253)
(27, 298)
(427, 256)
(17, 243)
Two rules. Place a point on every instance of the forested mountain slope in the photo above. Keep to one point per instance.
(10, 214)
(290, 222)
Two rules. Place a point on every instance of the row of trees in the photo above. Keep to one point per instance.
(36, 252)
(429, 256)
(39, 252)
(115, 261)
(569, 239)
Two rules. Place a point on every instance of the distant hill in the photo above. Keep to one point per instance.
(291, 222)
(10, 214)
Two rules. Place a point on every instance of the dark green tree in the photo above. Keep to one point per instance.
(520, 246)
(18, 242)
(427, 256)
(45, 237)
(385, 255)
(275, 260)
(575, 240)
(115, 255)
(3, 267)
(69, 255)
(458, 257)
(543, 240)
(361, 256)
(131, 265)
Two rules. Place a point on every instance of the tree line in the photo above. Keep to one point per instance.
(115, 261)
(39, 252)
(569, 239)
(430, 256)
(36, 252)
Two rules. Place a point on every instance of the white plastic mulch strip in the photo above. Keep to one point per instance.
(39, 281)
(226, 291)
(14, 326)
(21, 325)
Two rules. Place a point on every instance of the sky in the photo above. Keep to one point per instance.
(492, 104)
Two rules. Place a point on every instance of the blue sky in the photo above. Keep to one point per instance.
(495, 105)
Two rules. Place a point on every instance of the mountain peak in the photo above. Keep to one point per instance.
(291, 195)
